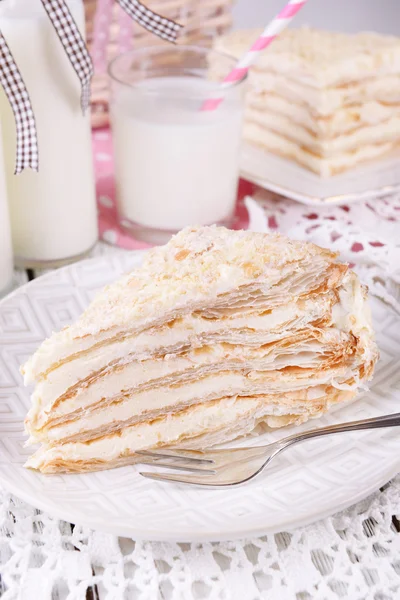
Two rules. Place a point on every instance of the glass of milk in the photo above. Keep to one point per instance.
(175, 164)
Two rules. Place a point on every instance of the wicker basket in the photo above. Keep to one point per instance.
(202, 20)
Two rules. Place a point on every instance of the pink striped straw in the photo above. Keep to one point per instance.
(272, 30)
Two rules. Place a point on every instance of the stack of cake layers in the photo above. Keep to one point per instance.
(217, 331)
(327, 101)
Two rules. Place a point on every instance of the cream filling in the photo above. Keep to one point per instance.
(175, 369)
(353, 315)
(325, 167)
(166, 399)
(326, 101)
(344, 119)
(327, 148)
(178, 368)
(350, 316)
(62, 346)
(279, 287)
(191, 331)
(166, 431)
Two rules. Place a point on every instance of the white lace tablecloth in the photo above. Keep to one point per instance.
(353, 555)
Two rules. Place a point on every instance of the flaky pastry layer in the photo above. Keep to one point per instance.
(195, 427)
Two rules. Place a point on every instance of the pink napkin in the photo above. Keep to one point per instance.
(109, 229)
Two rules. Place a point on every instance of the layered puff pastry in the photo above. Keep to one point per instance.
(325, 100)
(217, 332)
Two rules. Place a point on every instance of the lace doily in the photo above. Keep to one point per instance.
(354, 555)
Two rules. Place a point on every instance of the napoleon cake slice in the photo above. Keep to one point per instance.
(217, 332)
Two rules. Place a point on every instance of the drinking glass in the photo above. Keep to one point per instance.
(176, 164)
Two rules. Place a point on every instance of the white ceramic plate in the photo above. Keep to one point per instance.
(311, 481)
(284, 177)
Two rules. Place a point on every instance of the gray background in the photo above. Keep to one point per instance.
(336, 15)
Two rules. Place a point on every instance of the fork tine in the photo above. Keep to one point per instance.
(188, 455)
(175, 465)
(191, 479)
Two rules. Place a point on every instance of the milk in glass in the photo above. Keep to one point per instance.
(175, 164)
(53, 212)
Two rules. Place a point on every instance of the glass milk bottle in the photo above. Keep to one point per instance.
(6, 260)
(53, 212)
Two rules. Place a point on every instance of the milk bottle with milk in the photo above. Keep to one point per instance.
(53, 212)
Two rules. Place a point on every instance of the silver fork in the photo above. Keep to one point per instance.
(232, 466)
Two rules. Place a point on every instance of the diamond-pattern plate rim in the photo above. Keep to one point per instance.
(200, 536)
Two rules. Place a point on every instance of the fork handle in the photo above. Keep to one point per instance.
(392, 420)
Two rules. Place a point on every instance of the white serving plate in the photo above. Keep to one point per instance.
(311, 481)
(284, 177)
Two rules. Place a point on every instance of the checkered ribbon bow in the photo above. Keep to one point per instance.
(153, 22)
(74, 44)
(18, 97)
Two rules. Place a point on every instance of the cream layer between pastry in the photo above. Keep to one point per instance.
(326, 147)
(129, 388)
(204, 425)
(327, 356)
(171, 371)
(344, 120)
(285, 284)
(191, 331)
(326, 101)
(321, 166)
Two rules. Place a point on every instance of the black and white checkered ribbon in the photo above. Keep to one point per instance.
(18, 97)
(153, 22)
(74, 44)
